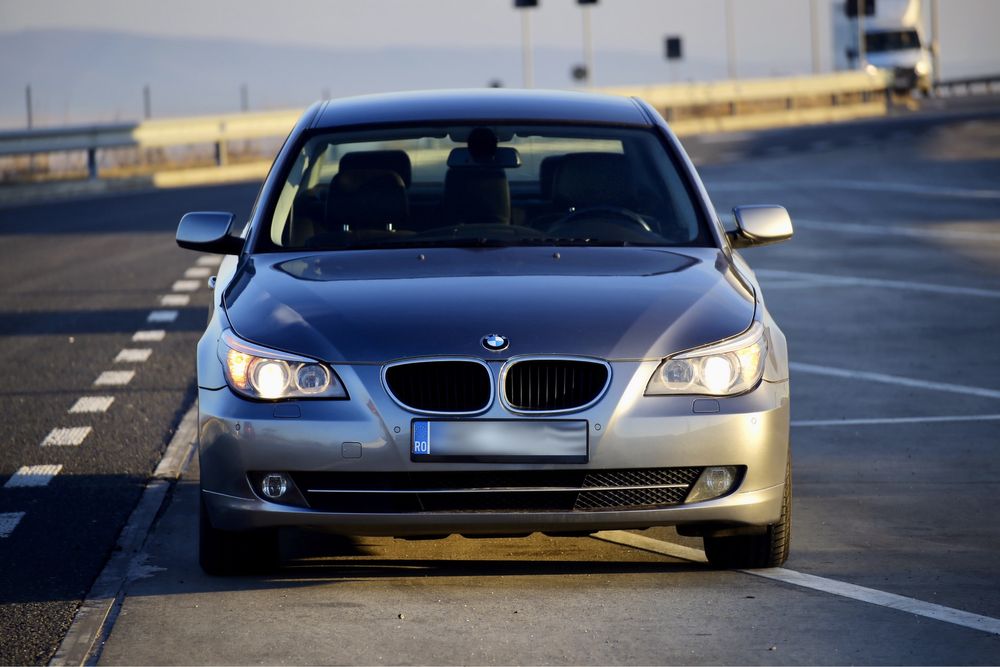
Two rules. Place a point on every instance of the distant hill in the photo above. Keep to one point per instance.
(80, 76)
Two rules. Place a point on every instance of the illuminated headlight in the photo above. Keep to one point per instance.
(922, 67)
(721, 369)
(257, 372)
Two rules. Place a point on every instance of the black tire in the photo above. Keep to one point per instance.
(223, 552)
(769, 549)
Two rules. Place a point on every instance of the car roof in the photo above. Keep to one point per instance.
(481, 105)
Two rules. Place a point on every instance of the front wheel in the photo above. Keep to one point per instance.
(223, 552)
(769, 549)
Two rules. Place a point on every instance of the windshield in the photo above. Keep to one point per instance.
(483, 186)
(877, 42)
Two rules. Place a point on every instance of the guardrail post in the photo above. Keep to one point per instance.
(92, 169)
(221, 153)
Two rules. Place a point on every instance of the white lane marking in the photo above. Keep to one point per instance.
(8, 522)
(186, 285)
(92, 404)
(649, 544)
(133, 355)
(114, 378)
(27, 476)
(879, 282)
(895, 420)
(209, 260)
(162, 316)
(882, 599)
(926, 231)
(894, 379)
(66, 437)
(148, 335)
(869, 186)
(812, 582)
(175, 300)
(198, 272)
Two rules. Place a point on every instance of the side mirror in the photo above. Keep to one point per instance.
(208, 231)
(760, 225)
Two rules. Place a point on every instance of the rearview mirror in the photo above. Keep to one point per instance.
(760, 225)
(208, 231)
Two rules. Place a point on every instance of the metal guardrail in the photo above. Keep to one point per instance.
(969, 84)
(756, 103)
(218, 130)
(689, 107)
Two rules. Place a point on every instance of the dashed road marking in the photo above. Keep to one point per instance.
(175, 300)
(829, 279)
(66, 437)
(134, 355)
(209, 260)
(198, 272)
(8, 522)
(810, 581)
(32, 476)
(895, 420)
(894, 379)
(162, 316)
(114, 378)
(148, 336)
(186, 285)
(92, 404)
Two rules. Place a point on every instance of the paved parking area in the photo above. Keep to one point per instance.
(890, 298)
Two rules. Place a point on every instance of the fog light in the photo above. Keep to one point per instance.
(713, 482)
(274, 485)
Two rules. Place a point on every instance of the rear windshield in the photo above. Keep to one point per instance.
(476, 185)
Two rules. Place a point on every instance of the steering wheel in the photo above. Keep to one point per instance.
(616, 213)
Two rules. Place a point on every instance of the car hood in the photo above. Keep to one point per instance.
(382, 305)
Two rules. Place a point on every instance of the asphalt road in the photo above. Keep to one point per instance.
(889, 295)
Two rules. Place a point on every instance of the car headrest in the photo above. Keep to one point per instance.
(397, 161)
(547, 174)
(593, 179)
(476, 195)
(366, 199)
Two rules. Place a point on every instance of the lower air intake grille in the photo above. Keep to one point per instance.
(497, 491)
(546, 385)
(441, 386)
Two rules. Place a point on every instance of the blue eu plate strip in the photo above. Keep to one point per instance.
(421, 438)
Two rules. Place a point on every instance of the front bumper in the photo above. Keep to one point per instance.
(370, 433)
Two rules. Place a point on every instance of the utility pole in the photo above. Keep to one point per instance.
(588, 41)
(730, 41)
(244, 98)
(147, 105)
(814, 35)
(935, 42)
(27, 104)
(527, 64)
(862, 50)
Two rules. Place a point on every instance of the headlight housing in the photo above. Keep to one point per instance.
(730, 367)
(264, 374)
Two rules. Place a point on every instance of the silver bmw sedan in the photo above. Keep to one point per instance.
(489, 312)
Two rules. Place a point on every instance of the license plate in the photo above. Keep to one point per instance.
(500, 441)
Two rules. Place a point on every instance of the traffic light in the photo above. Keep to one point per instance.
(851, 7)
(525, 3)
(586, 2)
(673, 48)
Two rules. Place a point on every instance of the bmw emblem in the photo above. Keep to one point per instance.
(495, 342)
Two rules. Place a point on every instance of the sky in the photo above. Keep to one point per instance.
(772, 30)
(772, 37)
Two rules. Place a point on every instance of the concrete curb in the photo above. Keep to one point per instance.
(95, 617)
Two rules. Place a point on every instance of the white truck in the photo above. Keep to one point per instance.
(893, 41)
